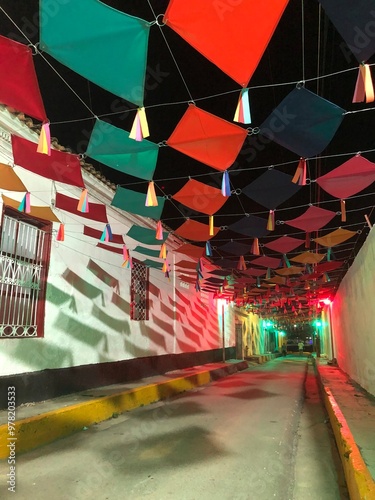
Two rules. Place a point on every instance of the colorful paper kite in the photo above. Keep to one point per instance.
(335, 237)
(44, 213)
(284, 244)
(252, 226)
(113, 147)
(134, 203)
(355, 23)
(303, 122)
(349, 178)
(97, 210)
(145, 235)
(235, 248)
(220, 31)
(19, 85)
(59, 166)
(308, 258)
(195, 231)
(106, 46)
(200, 197)
(9, 180)
(313, 219)
(95, 233)
(265, 261)
(207, 138)
(271, 188)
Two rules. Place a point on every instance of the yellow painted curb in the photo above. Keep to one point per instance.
(359, 481)
(47, 427)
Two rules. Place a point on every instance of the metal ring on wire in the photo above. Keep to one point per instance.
(82, 156)
(167, 196)
(34, 48)
(157, 20)
(223, 228)
(359, 231)
(300, 85)
(279, 222)
(308, 181)
(253, 130)
(162, 144)
(237, 191)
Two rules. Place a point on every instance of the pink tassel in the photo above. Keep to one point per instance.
(83, 204)
(159, 231)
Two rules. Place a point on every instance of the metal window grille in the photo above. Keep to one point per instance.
(139, 292)
(23, 249)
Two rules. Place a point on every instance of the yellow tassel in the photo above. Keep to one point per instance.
(151, 200)
(271, 221)
(364, 89)
(163, 251)
(211, 223)
(44, 145)
(139, 129)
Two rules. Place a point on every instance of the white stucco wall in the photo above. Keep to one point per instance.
(353, 321)
(87, 314)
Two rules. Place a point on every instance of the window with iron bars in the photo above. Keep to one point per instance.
(139, 291)
(25, 245)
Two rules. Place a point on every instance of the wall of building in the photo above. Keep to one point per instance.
(253, 340)
(87, 319)
(353, 318)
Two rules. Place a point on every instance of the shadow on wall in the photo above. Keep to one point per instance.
(119, 325)
(82, 286)
(103, 276)
(41, 356)
(58, 298)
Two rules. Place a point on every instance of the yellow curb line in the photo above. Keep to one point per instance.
(359, 481)
(41, 429)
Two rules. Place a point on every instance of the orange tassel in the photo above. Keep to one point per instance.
(300, 175)
(83, 204)
(159, 231)
(255, 248)
(343, 211)
(364, 89)
(151, 200)
(165, 267)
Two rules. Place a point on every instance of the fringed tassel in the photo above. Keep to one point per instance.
(211, 224)
(163, 251)
(368, 221)
(225, 184)
(242, 113)
(25, 206)
(255, 247)
(139, 129)
(343, 211)
(128, 263)
(159, 231)
(125, 253)
(300, 175)
(151, 200)
(271, 221)
(44, 144)
(364, 89)
(286, 260)
(61, 233)
(326, 278)
(83, 204)
(197, 286)
(208, 249)
(107, 234)
(165, 267)
(307, 240)
(268, 274)
(241, 266)
(329, 254)
(258, 282)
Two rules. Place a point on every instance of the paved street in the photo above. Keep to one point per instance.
(248, 436)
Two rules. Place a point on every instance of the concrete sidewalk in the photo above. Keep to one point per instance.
(352, 416)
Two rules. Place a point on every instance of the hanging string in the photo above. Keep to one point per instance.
(303, 38)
